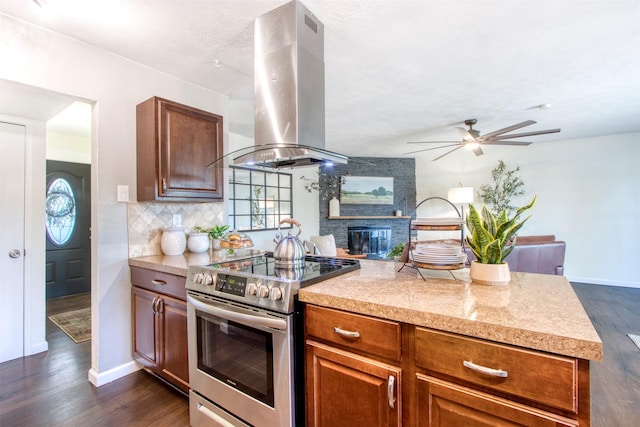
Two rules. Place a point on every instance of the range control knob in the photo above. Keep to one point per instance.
(276, 294)
(208, 279)
(252, 289)
(198, 278)
(263, 291)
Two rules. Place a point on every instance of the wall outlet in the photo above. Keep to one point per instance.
(123, 193)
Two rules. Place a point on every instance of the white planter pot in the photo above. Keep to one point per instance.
(490, 274)
(198, 242)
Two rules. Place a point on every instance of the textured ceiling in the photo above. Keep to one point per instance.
(396, 70)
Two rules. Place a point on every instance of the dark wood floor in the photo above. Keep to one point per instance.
(51, 389)
(615, 381)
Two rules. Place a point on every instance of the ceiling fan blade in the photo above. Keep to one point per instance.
(501, 142)
(432, 148)
(520, 135)
(448, 152)
(477, 151)
(507, 129)
(433, 142)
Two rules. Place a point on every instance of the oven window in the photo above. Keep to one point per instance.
(237, 355)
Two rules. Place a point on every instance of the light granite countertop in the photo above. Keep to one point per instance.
(535, 311)
(178, 264)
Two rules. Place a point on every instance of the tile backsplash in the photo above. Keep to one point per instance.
(146, 220)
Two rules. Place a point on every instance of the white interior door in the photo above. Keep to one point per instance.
(12, 202)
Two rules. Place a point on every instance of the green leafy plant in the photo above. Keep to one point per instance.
(491, 237)
(396, 251)
(506, 185)
(215, 232)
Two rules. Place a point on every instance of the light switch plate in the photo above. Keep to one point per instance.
(123, 193)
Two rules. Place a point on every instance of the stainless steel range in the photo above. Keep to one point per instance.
(246, 364)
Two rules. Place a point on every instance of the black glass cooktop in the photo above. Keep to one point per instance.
(313, 270)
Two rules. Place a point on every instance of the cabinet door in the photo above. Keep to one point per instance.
(345, 389)
(175, 363)
(190, 140)
(175, 145)
(440, 403)
(145, 327)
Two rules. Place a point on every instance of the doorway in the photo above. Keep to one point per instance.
(33, 110)
(68, 221)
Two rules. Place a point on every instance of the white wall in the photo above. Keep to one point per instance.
(588, 195)
(66, 147)
(44, 59)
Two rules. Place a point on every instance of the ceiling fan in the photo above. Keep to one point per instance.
(472, 139)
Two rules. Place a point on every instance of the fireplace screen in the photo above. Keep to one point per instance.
(373, 241)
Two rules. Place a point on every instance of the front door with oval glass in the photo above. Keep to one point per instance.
(68, 219)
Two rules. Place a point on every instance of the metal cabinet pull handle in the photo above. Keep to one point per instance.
(345, 333)
(390, 394)
(160, 306)
(164, 184)
(484, 370)
(158, 282)
(213, 416)
(154, 305)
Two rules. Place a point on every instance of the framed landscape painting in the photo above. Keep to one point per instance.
(367, 190)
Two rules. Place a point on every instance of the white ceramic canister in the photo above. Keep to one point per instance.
(173, 241)
(334, 207)
(198, 242)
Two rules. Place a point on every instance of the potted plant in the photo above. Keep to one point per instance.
(491, 238)
(396, 252)
(216, 233)
(506, 185)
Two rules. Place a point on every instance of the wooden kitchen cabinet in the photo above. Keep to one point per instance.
(440, 378)
(159, 325)
(442, 404)
(346, 382)
(175, 145)
(467, 381)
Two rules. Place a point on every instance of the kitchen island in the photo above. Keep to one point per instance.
(456, 351)
(440, 349)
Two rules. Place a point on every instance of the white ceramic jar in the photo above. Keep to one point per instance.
(198, 242)
(173, 241)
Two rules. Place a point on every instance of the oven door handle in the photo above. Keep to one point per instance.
(245, 319)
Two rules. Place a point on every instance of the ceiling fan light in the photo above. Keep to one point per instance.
(471, 145)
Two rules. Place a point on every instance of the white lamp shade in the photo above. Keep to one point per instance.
(460, 195)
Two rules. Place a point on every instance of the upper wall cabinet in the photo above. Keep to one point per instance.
(175, 143)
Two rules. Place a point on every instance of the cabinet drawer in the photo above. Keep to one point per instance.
(375, 336)
(164, 283)
(548, 379)
(441, 403)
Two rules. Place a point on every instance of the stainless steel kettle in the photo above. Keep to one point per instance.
(289, 250)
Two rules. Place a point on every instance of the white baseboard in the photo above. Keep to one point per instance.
(37, 348)
(101, 378)
(593, 281)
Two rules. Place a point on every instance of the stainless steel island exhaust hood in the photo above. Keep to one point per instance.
(289, 91)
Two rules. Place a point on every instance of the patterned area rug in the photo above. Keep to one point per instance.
(76, 324)
(635, 339)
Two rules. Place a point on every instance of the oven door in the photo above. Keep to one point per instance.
(241, 359)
